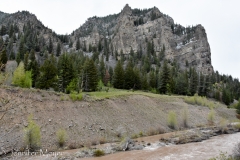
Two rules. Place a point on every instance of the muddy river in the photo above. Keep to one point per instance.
(198, 151)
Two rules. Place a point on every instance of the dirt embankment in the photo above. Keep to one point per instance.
(88, 121)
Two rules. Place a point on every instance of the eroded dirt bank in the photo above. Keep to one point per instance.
(91, 120)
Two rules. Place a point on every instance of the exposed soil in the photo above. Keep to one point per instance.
(88, 121)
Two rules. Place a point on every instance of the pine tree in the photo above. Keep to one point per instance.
(26, 61)
(48, 74)
(129, 76)
(3, 57)
(78, 44)
(201, 86)
(137, 79)
(144, 82)
(118, 78)
(140, 53)
(165, 78)
(50, 46)
(58, 49)
(18, 59)
(111, 74)
(65, 72)
(99, 46)
(207, 87)
(131, 52)
(193, 81)
(90, 79)
(226, 96)
(90, 47)
(116, 55)
(182, 84)
(33, 66)
(3, 30)
(22, 49)
(101, 69)
(152, 80)
(106, 78)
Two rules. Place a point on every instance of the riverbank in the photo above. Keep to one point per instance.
(100, 118)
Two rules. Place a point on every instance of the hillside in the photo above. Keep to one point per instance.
(99, 117)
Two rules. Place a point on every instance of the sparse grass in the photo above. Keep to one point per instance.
(61, 137)
(223, 124)
(198, 100)
(155, 131)
(134, 136)
(211, 117)
(73, 145)
(140, 134)
(185, 116)
(112, 93)
(151, 132)
(62, 98)
(237, 124)
(32, 134)
(172, 120)
(102, 140)
(76, 97)
(98, 153)
(94, 142)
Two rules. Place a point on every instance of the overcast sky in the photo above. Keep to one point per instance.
(221, 19)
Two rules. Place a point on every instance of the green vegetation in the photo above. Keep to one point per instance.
(76, 96)
(238, 107)
(211, 117)
(98, 153)
(223, 156)
(61, 137)
(141, 69)
(197, 100)
(32, 134)
(22, 78)
(172, 120)
(185, 116)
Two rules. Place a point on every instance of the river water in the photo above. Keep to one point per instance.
(198, 151)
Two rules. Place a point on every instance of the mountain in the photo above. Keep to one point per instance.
(145, 31)
(135, 28)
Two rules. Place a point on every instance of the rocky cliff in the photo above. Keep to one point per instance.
(134, 28)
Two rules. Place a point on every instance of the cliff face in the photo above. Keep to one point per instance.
(134, 29)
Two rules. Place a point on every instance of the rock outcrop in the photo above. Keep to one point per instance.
(134, 29)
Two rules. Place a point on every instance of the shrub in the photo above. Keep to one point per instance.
(140, 134)
(76, 97)
(32, 134)
(185, 117)
(100, 85)
(172, 120)
(98, 153)
(197, 100)
(102, 140)
(21, 78)
(134, 136)
(160, 130)
(238, 107)
(61, 137)
(223, 124)
(151, 132)
(94, 142)
(211, 116)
